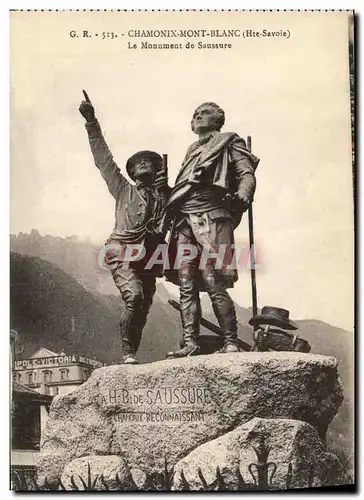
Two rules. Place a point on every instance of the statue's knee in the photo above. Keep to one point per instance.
(133, 299)
(215, 287)
(211, 283)
(187, 285)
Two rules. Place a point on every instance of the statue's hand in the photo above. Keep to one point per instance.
(244, 204)
(240, 205)
(237, 219)
(87, 111)
(86, 108)
(161, 179)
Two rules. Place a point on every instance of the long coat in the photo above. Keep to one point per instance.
(223, 158)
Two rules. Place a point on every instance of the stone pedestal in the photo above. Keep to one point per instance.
(292, 454)
(167, 409)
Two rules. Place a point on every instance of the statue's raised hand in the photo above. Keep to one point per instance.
(86, 108)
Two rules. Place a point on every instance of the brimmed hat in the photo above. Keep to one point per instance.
(155, 158)
(274, 316)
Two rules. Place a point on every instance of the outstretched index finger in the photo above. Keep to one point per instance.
(86, 96)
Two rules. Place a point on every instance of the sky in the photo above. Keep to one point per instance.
(291, 95)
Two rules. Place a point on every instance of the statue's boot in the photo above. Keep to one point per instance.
(230, 343)
(128, 357)
(189, 347)
(130, 337)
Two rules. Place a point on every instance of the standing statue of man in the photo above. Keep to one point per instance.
(213, 189)
(137, 217)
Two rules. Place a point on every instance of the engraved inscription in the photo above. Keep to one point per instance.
(161, 396)
(161, 405)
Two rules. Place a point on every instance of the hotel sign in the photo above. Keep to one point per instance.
(26, 364)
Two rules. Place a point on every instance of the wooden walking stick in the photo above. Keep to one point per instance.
(251, 246)
(165, 163)
(164, 221)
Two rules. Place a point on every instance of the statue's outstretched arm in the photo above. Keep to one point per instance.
(102, 155)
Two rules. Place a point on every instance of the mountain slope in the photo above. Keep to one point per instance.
(78, 258)
(50, 308)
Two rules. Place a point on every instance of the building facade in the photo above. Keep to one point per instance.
(29, 414)
(50, 373)
(35, 382)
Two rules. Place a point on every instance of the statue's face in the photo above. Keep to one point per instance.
(204, 120)
(144, 167)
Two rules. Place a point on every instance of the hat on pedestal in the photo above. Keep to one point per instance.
(275, 316)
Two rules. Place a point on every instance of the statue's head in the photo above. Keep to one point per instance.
(207, 117)
(143, 165)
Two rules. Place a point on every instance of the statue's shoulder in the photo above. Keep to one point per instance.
(223, 137)
(228, 135)
(232, 139)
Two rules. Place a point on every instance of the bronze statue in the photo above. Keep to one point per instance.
(137, 218)
(213, 189)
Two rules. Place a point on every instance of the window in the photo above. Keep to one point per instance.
(47, 375)
(30, 377)
(64, 374)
